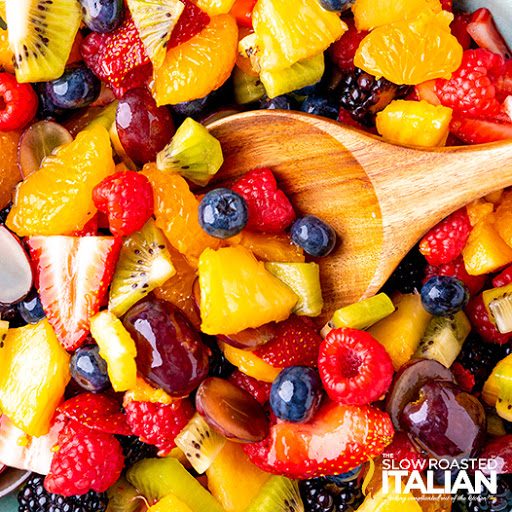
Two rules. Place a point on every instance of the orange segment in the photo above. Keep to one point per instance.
(9, 173)
(503, 219)
(215, 7)
(267, 247)
(199, 66)
(6, 54)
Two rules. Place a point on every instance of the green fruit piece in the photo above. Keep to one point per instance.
(193, 153)
(504, 409)
(247, 88)
(41, 35)
(443, 338)
(301, 74)
(498, 302)
(156, 478)
(278, 494)
(304, 280)
(123, 497)
(200, 443)
(144, 264)
(105, 116)
(503, 375)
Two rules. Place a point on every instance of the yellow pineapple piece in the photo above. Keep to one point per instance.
(478, 209)
(485, 250)
(269, 247)
(237, 292)
(34, 371)
(233, 479)
(401, 332)
(503, 218)
(168, 503)
(495, 197)
(291, 30)
(142, 391)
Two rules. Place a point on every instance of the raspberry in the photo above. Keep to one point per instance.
(258, 389)
(503, 278)
(471, 88)
(158, 424)
(127, 199)
(444, 242)
(269, 208)
(354, 367)
(479, 318)
(343, 50)
(18, 103)
(456, 268)
(401, 449)
(465, 379)
(86, 460)
(190, 23)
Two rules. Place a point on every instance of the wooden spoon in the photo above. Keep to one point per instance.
(380, 198)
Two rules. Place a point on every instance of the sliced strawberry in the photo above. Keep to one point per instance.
(337, 439)
(479, 318)
(427, 91)
(258, 389)
(73, 276)
(480, 131)
(97, 412)
(191, 22)
(459, 28)
(242, 11)
(296, 343)
(500, 451)
(484, 32)
(503, 278)
(343, 50)
(402, 449)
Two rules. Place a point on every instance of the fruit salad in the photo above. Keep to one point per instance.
(163, 340)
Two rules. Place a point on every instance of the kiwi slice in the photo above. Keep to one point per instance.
(304, 280)
(498, 302)
(443, 338)
(248, 47)
(361, 315)
(155, 20)
(41, 34)
(193, 152)
(504, 409)
(301, 74)
(278, 494)
(144, 264)
(156, 478)
(200, 443)
(123, 497)
(247, 88)
(503, 376)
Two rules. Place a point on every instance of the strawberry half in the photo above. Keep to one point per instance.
(402, 449)
(73, 275)
(339, 438)
(485, 33)
(479, 131)
(191, 22)
(343, 50)
(256, 388)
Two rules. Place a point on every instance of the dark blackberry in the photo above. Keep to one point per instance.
(363, 95)
(4, 212)
(408, 275)
(499, 502)
(323, 495)
(33, 497)
(134, 450)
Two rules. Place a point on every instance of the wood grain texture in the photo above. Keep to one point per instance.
(380, 198)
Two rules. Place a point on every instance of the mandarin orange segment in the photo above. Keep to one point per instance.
(413, 51)
(6, 55)
(503, 219)
(270, 247)
(215, 7)
(176, 213)
(57, 199)
(199, 66)
(9, 172)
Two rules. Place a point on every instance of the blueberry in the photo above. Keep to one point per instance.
(277, 103)
(102, 15)
(296, 393)
(192, 108)
(444, 295)
(10, 313)
(30, 308)
(307, 90)
(89, 369)
(320, 106)
(312, 234)
(336, 5)
(76, 88)
(222, 213)
(343, 478)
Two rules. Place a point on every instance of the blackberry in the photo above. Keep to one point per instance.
(134, 450)
(323, 495)
(363, 95)
(408, 275)
(33, 497)
(219, 365)
(499, 502)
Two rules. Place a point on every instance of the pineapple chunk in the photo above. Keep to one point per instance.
(237, 292)
(34, 371)
(503, 218)
(269, 247)
(478, 210)
(170, 502)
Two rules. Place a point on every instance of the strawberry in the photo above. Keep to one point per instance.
(338, 438)
(269, 208)
(465, 379)
(158, 424)
(256, 388)
(118, 58)
(500, 451)
(190, 23)
(90, 228)
(343, 50)
(479, 131)
(242, 11)
(354, 367)
(126, 198)
(485, 34)
(471, 90)
(479, 318)
(459, 28)
(401, 450)
(84, 460)
(503, 278)
(97, 412)
(445, 241)
(446, 5)
(296, 343)
(456, 268)
(73, 276)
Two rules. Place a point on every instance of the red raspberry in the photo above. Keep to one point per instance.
(444, 242)
(269, 208)
(190, 23)
(401, 450)
(354, 367)
(465, 379)
(127, 199)
(86, 460)
(503, 278)
(343, 50)
(456, 268)
(471, 90)
(158, 424)
(479, 318)
(258, 389)
(19, 103)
